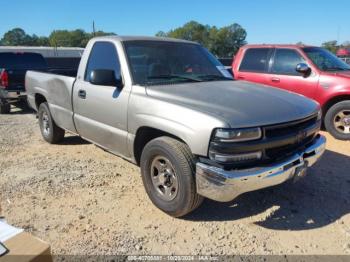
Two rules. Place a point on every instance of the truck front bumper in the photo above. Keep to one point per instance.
(225, 185)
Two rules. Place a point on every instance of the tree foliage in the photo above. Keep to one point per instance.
(191, 31)
(223, 42)
(16, 37)
(64, 38)
(331, 46)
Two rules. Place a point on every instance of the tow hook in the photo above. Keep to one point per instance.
(300, 172)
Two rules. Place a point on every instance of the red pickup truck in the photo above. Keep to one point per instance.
(307, 70)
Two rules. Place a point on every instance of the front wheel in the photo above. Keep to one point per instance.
(337, 120)
(167, 167)
(49, 130)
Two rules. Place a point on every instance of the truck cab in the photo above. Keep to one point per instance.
(307, 70)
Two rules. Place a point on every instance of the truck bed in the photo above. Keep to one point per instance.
(57, 90)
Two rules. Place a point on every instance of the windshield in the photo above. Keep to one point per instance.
(162, 62)
(325, 60)
(22, 61)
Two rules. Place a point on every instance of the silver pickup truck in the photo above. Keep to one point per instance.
(170, 107)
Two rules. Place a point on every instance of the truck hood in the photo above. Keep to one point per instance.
(238, 103)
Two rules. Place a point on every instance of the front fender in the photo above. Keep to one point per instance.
(193, 127)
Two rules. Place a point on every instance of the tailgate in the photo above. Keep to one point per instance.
(16, 80)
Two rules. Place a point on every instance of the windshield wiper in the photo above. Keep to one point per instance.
(214, 77)
(175, 76)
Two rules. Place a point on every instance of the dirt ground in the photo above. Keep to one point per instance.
(83, 200)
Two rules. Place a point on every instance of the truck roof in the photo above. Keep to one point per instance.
(275, 45)
(143, 38)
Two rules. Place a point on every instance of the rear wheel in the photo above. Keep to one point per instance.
(337, 120)
(5, 107)
(167, 167)
(49, 130)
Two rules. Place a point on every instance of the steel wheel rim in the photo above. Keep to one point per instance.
(341, 121)
(164, 178)
(46, 124)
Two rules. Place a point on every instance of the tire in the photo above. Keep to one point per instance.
(337, 120)
(5, 108)
(49, 130)
(184, 198)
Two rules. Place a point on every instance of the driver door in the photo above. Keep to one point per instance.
(101, 111)
(283, 73)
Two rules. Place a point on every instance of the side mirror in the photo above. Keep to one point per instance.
(104, 77)
(303, 69)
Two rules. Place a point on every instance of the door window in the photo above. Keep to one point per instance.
(256, 60)
(103, 56)
(285, 62)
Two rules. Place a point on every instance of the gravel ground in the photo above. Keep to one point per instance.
(83, 200)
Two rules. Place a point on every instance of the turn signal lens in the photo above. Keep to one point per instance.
(235, 157)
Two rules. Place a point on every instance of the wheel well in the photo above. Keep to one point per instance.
(333, 101)
(39, 99)
(143, 136)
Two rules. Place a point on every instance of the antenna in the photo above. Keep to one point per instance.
(93, 28)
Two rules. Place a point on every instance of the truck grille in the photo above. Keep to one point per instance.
(278, 142)
(281, 152)
(285, 129)
(302, 131)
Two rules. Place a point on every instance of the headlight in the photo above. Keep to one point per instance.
(224, 135)
(237, 135)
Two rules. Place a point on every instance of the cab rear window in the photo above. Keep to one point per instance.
(256, 60)
(22, 61)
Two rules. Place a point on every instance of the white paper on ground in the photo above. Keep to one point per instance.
(7, 231)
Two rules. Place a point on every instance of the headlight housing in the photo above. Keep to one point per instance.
(223, 135)
(237, 135)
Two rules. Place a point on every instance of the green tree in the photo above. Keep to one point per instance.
(331, 46)
(74, 38)
(223, 42)
(161, 34)
(39, 41)
(16, 37)
(60, 38)
(192, 31)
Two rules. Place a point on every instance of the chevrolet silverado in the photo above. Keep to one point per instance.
(170, 107)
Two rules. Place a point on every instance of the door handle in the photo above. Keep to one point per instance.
(275, 79)
(82, 94)
(241, 77)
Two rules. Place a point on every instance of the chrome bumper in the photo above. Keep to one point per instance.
(221, 185)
